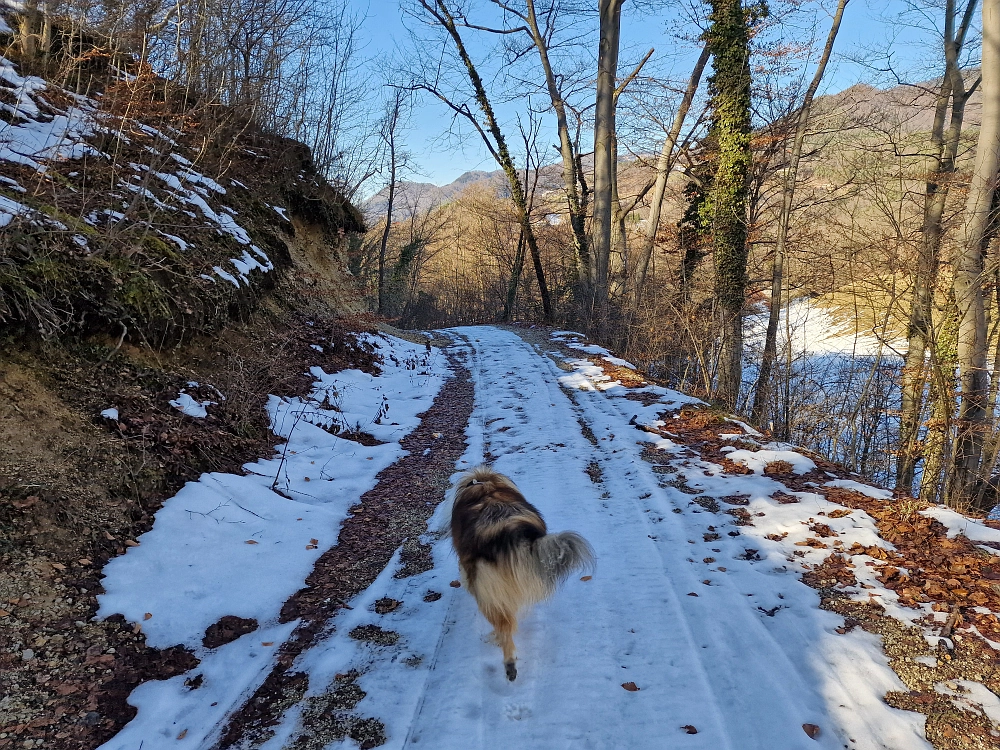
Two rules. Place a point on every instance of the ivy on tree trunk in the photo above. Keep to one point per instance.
(729, 42)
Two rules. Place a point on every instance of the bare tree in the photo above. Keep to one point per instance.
(967, 263)
(942, 161)
(391, 124)
(788, 195)
(489, 130)
(604, 153)
(664, 164)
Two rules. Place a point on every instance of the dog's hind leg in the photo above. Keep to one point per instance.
(504, 626)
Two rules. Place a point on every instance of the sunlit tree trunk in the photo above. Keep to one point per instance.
(920, 333)
(967, 262)
(604, 129)
(577, 210)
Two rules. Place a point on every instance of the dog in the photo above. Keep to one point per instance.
(508, 560)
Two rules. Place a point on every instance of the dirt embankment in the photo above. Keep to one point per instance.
(111, 307)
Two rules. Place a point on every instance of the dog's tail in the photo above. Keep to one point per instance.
(556, 556)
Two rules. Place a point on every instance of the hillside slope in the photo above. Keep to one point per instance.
(164, 269)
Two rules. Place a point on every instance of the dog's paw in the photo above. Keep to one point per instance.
(511, 669)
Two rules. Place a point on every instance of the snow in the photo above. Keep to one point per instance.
(10, 209)
(707, 617)
(111, 413)
(241, 545)
(972, 696)
(758, 460)
(227, 276)
(4, 28)
(283, 213)
(815, 329)
(32, 139)
(12, 184)
(182, 244)
(568, 338)
(190, 406)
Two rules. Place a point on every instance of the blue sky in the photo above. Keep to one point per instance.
(868, 24)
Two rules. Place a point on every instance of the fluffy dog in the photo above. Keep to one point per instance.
(507, 558)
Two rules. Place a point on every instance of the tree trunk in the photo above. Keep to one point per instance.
(937, 443)
(967, 263)
(664, 164)
(762, 389)
(920, 332)
(27, 37)
(729, 43)
(500, 152)
(604, 128)
(577, 211)
(385, 233)
(389, 135)
(515, 279)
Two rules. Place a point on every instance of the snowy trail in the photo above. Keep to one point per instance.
(695, 639)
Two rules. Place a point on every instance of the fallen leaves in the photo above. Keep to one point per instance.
(784, 498)
(251, 541)
(690, 728)
(631, 687)
(455, 584)
(148, 616)
(927, 566)
(26, 502)
(811, 729)
(835, 569)
(585, 578)
(778, 469)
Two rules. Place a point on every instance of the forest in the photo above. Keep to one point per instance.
(704, 221)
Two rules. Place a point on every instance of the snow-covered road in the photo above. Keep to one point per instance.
(694, 640)
(707, 618)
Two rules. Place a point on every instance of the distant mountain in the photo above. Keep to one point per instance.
(902, 109)
(417, 197)
(906, 108)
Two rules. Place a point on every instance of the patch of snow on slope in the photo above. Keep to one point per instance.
(571, 339)
(232, 545)
(34, 138)
(756, 461)
(816, 330)
(864, 489)
(190, 406)
(9, 209)
(956, 524)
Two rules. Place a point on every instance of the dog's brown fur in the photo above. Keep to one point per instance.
(507, 557)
